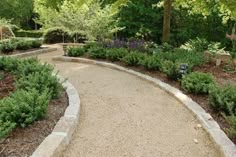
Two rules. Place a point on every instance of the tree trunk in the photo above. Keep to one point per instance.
(166, 21)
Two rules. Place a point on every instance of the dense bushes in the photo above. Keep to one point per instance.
(223, 99)
(152, 62)
(133, 58)
(7, 46)
(116, 54)
(28, 33)
(55, 35)
(59, 35)
(197, 82)
(97, 52)
(35, 87)
(74, 51)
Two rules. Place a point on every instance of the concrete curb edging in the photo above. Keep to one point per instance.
(226, 146)
(56, 142)
(31, 53)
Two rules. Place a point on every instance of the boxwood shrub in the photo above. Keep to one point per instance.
(223, 99)
(152, 62)
(7, 46)
(75, 51)
(197, 82)
(35, 87)
(134, 58)
(116, 54)
(97, 52)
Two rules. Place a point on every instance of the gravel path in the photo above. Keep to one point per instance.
(124, 116)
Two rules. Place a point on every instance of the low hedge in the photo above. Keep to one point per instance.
(35, 87)
(7, 46)
(29, 33)
(197, 82)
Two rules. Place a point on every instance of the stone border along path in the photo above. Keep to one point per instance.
(55, 143)
(226, 146)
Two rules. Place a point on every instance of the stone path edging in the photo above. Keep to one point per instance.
(55, 143)
(34, 52)
(226, 146)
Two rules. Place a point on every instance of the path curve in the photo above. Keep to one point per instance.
(124, 116)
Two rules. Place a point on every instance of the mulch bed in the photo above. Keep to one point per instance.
(220, 75)
(7, 84)
(22, 142)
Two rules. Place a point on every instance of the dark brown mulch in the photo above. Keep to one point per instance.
(22, 142)
(7, 84)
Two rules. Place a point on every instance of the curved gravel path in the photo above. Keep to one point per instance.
(124, 116)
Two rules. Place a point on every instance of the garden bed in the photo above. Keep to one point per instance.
(24, 141)
(32, 101)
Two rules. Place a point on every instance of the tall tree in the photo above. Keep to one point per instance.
(166, 20)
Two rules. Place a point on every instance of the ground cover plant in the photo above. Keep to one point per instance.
(35, 87)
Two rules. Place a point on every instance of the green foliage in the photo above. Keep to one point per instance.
(198, 45)
(232, 122)
(171, 69)
(215, 48)
(75, 51)
(55, 35)
(179, 56)
(152, 62)
(24, 107)
(88, 18)
(6, 127)
(133, 58)
(36, 43)
(28, 33)
(145, 24)
(116, 54)
(18, 11)
(197, 82)
(23, 45)
(223, 99)
(36, 86)
(97, 52)
(7, 46)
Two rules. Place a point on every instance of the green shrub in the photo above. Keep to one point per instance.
(56, 35)
(97, 52)
(8, 64)
(116, 54)
(133, 58)
(7, 46)
(197, 82)
(223, 99)
(6, 127)
(232, 122)
(90, 45)
(29, 33)
(197, 45)
(23, 45)
(36, 86)
(75, 51)
(152, 62)
(36, 43)
(171, 69)
(24, 107)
